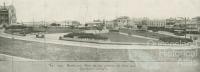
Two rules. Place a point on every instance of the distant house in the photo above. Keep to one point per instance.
(170, 23)
(141, 23)
(192, 26)
(189, 25)
(69, 23)
(109, 24)
(96, 24)
(93, 24)
(122, 21)
(156, 23)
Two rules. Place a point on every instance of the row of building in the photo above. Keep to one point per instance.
(178, 23)
(8, 16)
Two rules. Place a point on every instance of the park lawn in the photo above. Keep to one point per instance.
(47, 51)
(116, 37)
(144, 33)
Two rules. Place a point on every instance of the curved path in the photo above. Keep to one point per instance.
(53, 38)
(133, 55)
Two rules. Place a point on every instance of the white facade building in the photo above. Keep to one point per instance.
(156, 23)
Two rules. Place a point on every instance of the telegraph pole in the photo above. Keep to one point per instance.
(185, 19)
(33, 22)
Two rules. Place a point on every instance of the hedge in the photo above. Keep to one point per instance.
(16, 27)
(86, 36)
(175, 39)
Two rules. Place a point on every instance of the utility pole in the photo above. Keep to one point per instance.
(185, 19)
(33, 22)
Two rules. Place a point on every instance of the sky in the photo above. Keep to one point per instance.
(87, 10)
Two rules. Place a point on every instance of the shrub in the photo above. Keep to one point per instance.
(16, 27)
(86, 36)
(175, 40)
(19, 29)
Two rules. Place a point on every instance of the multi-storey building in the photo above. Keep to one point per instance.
(156, 23)
(170, 23)
(94, 23)
(192, 25)
(148, 24)
(7, 15)
(121, 21)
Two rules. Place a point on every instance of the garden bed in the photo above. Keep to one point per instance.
(86, 36)
(95, 41)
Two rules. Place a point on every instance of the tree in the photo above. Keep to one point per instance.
(86, 25)
(55, 24)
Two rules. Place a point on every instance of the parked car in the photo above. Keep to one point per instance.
(40, 36)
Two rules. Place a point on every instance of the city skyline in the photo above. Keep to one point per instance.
(87, 10)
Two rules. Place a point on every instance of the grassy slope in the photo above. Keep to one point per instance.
(43, 51)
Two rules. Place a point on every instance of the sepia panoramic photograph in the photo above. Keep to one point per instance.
(99, 35)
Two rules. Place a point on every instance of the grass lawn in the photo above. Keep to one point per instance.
(46, 51)
(116, 37)
(144, 33)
